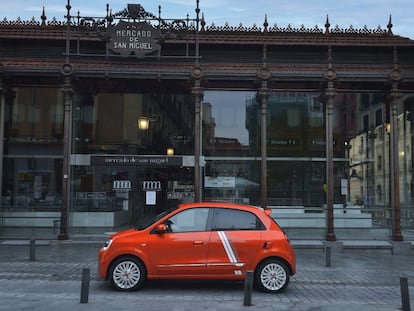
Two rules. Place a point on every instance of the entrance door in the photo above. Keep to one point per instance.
(162, 188)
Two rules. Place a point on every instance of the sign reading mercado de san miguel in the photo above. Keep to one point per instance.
(137, 38)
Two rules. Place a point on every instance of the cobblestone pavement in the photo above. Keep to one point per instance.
(355, 280)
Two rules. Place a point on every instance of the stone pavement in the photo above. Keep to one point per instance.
(358, 275)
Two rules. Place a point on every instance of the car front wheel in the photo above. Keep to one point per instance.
(127, 274)
(272, 276)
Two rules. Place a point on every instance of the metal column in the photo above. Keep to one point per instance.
(2, 108)
(263, 95)
(330, 98)
(395, 169)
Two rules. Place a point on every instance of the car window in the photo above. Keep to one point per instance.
(231, 219)
(194, 219)
(146, 222)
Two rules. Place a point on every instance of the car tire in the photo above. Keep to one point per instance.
(127, 274)
(272, 276)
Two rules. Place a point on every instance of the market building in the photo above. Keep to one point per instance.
(107, 120)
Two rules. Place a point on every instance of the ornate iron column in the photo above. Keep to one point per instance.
(330, 94)
(2, 108)
(198, 93)
(67, 129)
(371, 135)
(263, 95)
(395, 96)
(67, 92)
(330, 98)
(395, 169)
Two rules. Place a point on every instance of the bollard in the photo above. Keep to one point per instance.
(248, 288)
(327, 256)
(85, 285)
(32, 250)
(405, 294)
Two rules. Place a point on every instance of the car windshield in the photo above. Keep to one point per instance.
(148, 221)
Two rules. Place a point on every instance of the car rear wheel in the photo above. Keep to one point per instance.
(272, 276)
(127, 274)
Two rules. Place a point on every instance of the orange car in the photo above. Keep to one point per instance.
(208, 240)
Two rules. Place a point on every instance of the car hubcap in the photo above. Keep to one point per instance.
(273, 276)
(126, 274)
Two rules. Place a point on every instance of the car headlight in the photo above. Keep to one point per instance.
(107, 244)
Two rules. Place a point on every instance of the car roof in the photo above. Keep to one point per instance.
(220, 204)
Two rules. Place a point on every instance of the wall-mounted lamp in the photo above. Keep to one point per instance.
(388, 128)
(170, 151)
(143, 123)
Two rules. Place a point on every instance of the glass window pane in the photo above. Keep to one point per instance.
(226, 130)
(189, 220)
(228, 219)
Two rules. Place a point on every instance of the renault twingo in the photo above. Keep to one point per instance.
(206, 240)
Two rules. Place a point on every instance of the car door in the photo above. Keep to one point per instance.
(235, 239)
(182, 250)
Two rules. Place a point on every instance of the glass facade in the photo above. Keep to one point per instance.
(295, 146)
(32, 168)
(120, 174)
(99, 133)
(106, 131)
(296, 161)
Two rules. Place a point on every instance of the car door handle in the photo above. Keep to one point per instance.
(198, 242)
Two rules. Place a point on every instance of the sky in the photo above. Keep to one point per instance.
(309, 13)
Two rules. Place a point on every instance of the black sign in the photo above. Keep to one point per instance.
(150, 161)
(138, 39)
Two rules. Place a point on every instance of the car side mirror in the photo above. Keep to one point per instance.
(161, 228)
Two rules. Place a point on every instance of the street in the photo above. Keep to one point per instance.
(355, 280)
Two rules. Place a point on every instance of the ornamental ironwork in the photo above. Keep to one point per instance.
(133, 31)
(173, 28)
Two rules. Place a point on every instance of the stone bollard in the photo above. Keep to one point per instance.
(84, 296)
(248, 288)
(405, 294)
